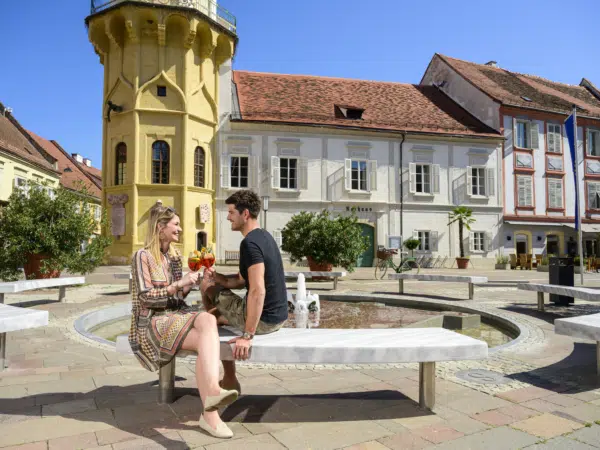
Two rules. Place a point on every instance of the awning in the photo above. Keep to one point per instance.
(539, 224)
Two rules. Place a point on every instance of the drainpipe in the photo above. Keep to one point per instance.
(401, 191)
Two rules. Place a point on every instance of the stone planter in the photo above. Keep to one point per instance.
(319, 267)
(462, 263)
(543, 268)
(577, 269)
(33, 268)
(501, 266)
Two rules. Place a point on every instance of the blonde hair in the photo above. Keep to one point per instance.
(159, 215)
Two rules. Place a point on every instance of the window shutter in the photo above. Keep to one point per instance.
(433, 241)
(520, 192)
(278, 238)
(348, 174)
(491, 182)
(469, 181)
(253, 171)
(435, 178)
(303, 174)
(534, 135)
(225, 172)
(488, 242)
(588, 144)
(528, 191)
(514, 132)
(471, 242)
(275, 173)
(412, 170)
(372, 178)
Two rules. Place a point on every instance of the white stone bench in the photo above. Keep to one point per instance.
(430, 277)
(13, 318)
(308, 274)
(353, 346)
(13, 287)
(583, 327)
(126, 276)
(592, 295)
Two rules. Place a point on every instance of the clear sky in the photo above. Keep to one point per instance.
(52, 78)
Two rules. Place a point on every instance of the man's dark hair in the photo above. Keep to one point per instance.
(245, 200)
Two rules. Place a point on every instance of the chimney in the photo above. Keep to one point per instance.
(492, 63)
(77, 157)
(87, 162)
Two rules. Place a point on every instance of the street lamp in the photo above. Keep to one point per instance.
(265, 207)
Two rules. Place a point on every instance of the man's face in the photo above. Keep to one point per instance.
(237, 220)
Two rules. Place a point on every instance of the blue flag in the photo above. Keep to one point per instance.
(570, 125)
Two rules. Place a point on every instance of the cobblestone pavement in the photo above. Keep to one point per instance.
(61, 391)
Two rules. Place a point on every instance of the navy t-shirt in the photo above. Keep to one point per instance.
(259, 247)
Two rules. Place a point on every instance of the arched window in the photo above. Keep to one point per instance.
(121, 162)
(199, 167)
(201, 240)
(160, 162)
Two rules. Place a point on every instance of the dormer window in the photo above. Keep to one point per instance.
(348, 112)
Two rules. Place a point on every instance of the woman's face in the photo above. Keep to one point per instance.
(170, 232)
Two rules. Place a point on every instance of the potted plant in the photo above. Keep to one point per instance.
(325, 241)
(544, 266)
(501, 262)
(464, 217)
(412, 244)
(43, 234)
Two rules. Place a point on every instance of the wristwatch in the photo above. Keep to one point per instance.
(247, 335)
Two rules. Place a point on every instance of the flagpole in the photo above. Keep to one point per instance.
(578, 204)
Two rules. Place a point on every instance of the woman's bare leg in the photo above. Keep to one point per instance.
(204, 340)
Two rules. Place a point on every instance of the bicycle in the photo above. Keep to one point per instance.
(385, 260)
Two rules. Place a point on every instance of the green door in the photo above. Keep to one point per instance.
(366, 259)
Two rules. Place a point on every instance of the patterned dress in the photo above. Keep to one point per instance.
(159, 322)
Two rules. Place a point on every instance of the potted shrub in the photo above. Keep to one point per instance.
(464, 217)
(412, 244)
(325, 241)
(43, 234)
(501, 262)
(544, 266)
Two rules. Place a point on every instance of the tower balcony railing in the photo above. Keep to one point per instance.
(206, 7)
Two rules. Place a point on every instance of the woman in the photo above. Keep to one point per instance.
(162, 324)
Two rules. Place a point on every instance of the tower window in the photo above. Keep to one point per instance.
(121, 163)
(160, 162)
(199, 167)
(161, 91)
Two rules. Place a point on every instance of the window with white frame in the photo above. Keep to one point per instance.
(524, 190)
(360, 175)
(477, 175)
(21, 185)
(97, 213)
(423, 178)
(278, 237)
(554, 138)
(526, 134)
(593, 192)
(288, 173)
(523, 160)
(239, 171)
(425, 240)
(593, 143)
(555, 193)
(478, 241)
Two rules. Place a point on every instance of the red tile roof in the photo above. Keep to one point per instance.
(509, 88)
(311, 100)
(14, 141)
(71, 174)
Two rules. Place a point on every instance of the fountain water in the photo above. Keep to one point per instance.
(302, 304)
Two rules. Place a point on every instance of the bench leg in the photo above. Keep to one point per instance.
(61, 293)
(598, 358)
(130, 285)
(540, 300)
(2, 298)
(166, 383)
(401, 286)
(427, 385)
(335, 279)
(471, 291)
(2, 351)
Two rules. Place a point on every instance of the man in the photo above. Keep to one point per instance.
(265, 309)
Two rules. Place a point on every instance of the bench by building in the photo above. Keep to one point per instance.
(583, 327)
(14, 287)
(13, 318)
(308, 274)
(231, 255)
(446, 278)
(591, 295)
(333, 346)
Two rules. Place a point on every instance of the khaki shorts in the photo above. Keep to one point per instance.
(233, 308)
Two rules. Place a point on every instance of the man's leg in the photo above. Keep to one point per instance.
(210, 292)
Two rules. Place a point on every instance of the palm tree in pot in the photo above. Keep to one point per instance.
(464, 217)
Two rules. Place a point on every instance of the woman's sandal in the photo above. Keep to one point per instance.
(222, 431)
(225, 397)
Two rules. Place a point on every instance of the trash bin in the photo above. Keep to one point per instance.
(562, 273)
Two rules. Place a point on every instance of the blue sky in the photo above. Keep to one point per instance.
(52, 78)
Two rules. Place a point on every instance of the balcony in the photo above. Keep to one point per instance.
(207, 7)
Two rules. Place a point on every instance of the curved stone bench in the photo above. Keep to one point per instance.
(431, 277)
(591, 295)
(351, 346)
(309, 274)
(583, 327)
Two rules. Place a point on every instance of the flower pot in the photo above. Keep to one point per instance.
(462, 263)
(501, 266)
(319, 267)
(541, 268)
(33, 267)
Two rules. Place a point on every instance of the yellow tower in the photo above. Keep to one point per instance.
(164, 62)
